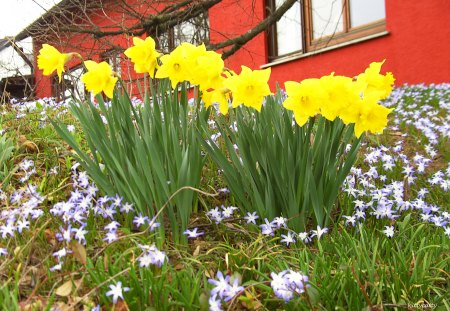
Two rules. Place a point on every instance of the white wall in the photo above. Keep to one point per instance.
(11, 64)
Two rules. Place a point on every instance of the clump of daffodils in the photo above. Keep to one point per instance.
(354, 101)
(98, 78)
(351, 100)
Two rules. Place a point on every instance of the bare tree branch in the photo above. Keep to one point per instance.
(148, 17)
(20, 52)
(239, 41)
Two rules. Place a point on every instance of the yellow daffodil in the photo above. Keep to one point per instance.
(50, 59)
(341, 94)
(371, 117)
(249, 87)
(208, 69)
(304, 99)
(143, 55)
(99, 77)
(177, 66)
(220, 96)
(374, 84)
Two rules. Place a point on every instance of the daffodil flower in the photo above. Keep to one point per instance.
(177, 66)
(50, 59)
(99, 77)
(249, 87)
(375, 84)
(143, 54)
(303, 99)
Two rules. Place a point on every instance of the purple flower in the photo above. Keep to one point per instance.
(80, 234)
(126, 208)
(221, 285)
(228, 211)
(304, 236)
(112, 226)
(22, 224)
(267, 228)
(117, 201)
(280, 287)
(154, 224)
(279, 222)
(193, 233)
(288, 282)
(65, 234)
(447, 231)
(389, 231)
(251, 218)
(61, 253)
(116, 291)
(140, 220)
(233, 290)
(288, 239)
(109, 212)
(350, 220)
(111, 236)
(152, 256)
(319, 232)
(3, 251)
(214, 303)
(215, 214)
(7, 229)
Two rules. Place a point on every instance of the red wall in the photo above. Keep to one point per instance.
(91, 48)
(416, 49)
(232, 18)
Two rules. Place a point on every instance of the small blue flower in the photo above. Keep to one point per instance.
(193, 233)
(251, 218)
(116, 291)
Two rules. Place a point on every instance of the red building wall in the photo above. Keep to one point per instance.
(416, 47)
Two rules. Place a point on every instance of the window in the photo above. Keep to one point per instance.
(113, 58)
(310, 25)
(70, 85)
(194, 30)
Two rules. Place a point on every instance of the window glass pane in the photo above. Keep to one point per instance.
(289, 30)
(195, 31)
(327, 17)
(163, 44)
(184, 32)
(366, 11)
(113, 59)
(72, 83)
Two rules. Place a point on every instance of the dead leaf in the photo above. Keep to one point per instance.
(65, 289)
(62, 306)
(78, 251)
(50, 236)
(106, 262)
(77, 284)
(30, 146)
(21, 139)
(196, 251)
(179, 266)
(250, 301)
(38, 304)
(209, 275)
(121, 306)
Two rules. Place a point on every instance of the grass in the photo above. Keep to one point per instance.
(350, 268)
